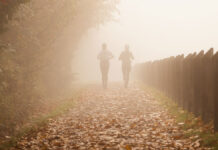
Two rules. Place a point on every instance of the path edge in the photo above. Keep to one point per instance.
(187, 120)
(40, 122)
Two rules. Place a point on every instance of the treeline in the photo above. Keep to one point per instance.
(35, 63)
(191, 81)
(7, 9)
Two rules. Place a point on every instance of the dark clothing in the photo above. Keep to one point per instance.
(104, 66)
(126, 58)
(104, 57)
(126, 68)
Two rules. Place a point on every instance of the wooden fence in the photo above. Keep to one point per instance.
(191, 81)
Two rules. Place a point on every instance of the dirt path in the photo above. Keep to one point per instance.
(113, 119)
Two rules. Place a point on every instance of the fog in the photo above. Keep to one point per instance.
(153, 29)
(48, 58)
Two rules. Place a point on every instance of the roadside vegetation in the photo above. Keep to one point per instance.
(193, 126)
(38, 122)
(36, 70)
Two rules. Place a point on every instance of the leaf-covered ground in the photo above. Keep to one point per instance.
(112, 119)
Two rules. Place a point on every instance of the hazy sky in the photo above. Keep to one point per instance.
(154, 29)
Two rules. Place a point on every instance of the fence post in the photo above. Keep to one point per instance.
(216, 92)
(180, 80)
(176, 78)
(186, 82)
(208, 87)
(191, 85)
(198, 71)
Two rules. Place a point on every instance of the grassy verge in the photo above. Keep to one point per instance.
(41, 121)
(192, 125)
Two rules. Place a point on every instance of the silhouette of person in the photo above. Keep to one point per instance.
(104, 56)
(126, 57)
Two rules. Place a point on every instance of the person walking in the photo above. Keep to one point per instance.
(104, 56)
(126, 57)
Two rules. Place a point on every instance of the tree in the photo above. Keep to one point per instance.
(34, 63)
(7, 9)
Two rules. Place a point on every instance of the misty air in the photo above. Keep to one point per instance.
(108, 75)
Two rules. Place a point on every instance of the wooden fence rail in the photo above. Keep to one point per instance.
(191, 81)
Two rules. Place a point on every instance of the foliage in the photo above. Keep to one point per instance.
(34, 65)
(7, 9)
(37, 123)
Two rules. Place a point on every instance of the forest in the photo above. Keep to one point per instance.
(33, 66)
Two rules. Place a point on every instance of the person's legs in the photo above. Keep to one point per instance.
(123, 71)
(103, 80)
(127, 78)
(126, 70)
(106, 74)
(104, 71)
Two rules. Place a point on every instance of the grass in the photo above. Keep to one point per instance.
(39, 122)
(192, 125)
